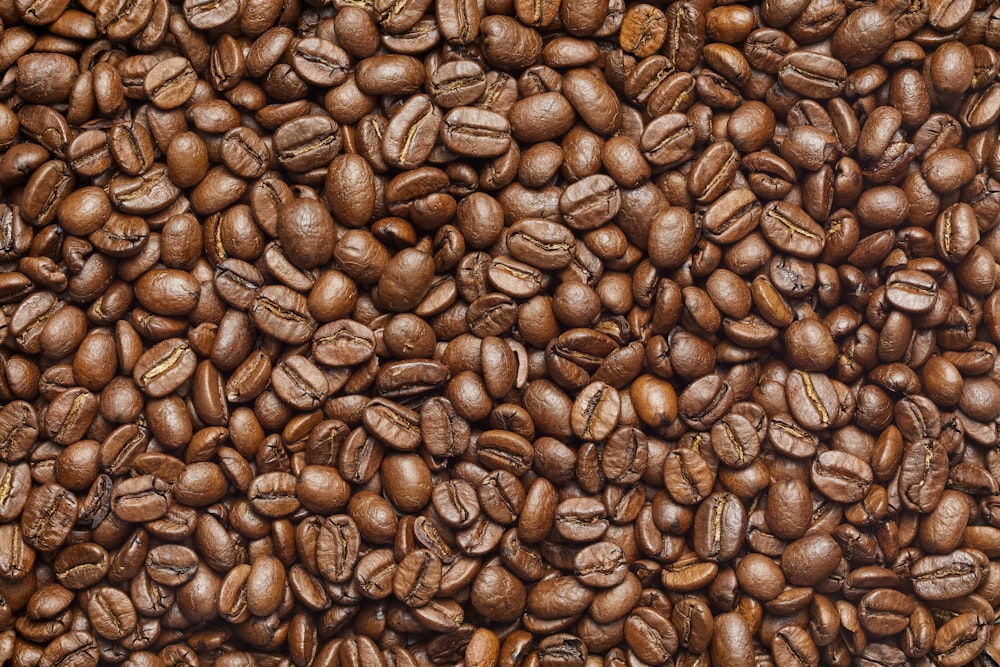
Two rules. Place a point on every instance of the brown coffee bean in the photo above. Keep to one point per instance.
(922, 486)
(719, 526)
(140, 499)
(650, 635)
(48, 516)
(810, 559)
(789, 509)
(960, 638)
(945, 577)
(841, 476)
(417, 578)
(813, 399)
(601, 565)
(541, 117)
(272, 494)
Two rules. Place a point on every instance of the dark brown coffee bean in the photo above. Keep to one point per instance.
(298, 382)
(885, 611)
(946, 577)
(704, 401)
(410, 135)
(70, 415)
(375, 573)
(282, 313)
(812, 75)
(558, 597)
(541, 117)
(272, 494)
(76, 647)
(792, 230)
(789, 509)
(911, 291)
(960, 638)
(813, 399)
(498, 594)
(581, 519)
(476, 132)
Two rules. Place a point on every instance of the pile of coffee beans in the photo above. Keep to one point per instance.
(530, 333)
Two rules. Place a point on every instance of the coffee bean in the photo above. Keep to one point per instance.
(140, 499)
(601, 564)
(719, 526)
(963, 570)
(841, 476)
(810, 559)
(417, 578)
(960, 638)
(48, 516)
(164, 367)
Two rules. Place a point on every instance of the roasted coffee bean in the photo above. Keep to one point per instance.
(946, 577)
(111, 612)
(841, 476)
(921, 486)
(476, 132)
(601, 565)
(960, 638)
(792, 230)
(812, 75)
(47, 518)
(417, 578)
(307, 142)
(813, 399)
(140, 499)
(720, 523)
